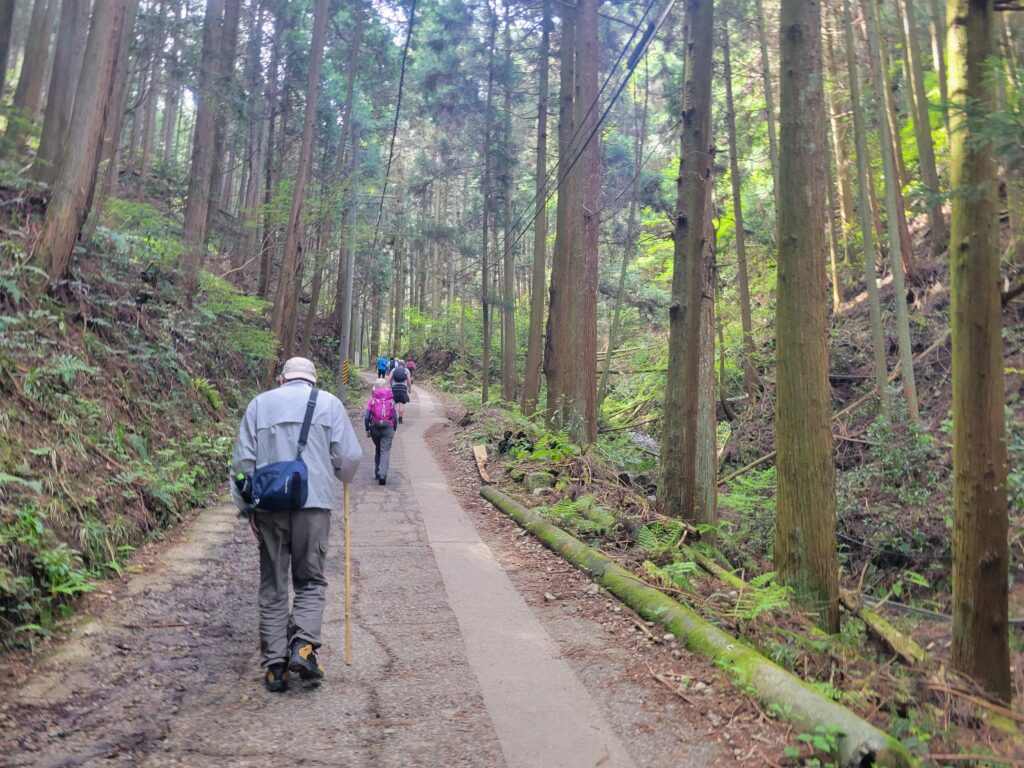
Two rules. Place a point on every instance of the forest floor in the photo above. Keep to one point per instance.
(472, 646)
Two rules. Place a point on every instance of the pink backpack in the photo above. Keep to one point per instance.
(381, 409)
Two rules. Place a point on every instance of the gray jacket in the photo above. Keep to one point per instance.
(270, 432)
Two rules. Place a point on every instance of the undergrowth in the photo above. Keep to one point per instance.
(118, 407)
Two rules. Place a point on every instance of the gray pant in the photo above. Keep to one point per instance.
(382, 438)
(292, 545)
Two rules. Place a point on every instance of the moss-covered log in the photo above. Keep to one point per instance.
(860, 743)
(709, 565)
(880, 627)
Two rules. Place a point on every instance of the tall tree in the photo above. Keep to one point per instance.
(508, 297)
(923, 126)
(224, 92)
(582, 400)
(805, 550)
(114, 122)
(836, 111)
(270, 96)
(67, 63)
(893, 208)
(629, 249)
(76, 176)
(980, 515)
(351, 70)
(864, 212)
(769, 98)
(200, 171)
(28, 95)
(556, 341)
(535, 342)
(285, 304)
(692, 231)
(172, 95)
(6, 28)
(937, 30)
(485, 193)
(750, 376)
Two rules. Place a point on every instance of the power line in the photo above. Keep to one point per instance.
(394, 127)
(542, 190)
(631, 64)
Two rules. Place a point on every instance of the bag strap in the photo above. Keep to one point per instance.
(307, 420)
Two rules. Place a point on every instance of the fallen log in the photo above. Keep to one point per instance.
(901, 644)
(709, 565)
(859, 742)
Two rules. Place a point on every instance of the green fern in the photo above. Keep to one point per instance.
(646, 539)
(680, 572)
(32, 485)
(208, 392)
(754, 602)
(659, 537)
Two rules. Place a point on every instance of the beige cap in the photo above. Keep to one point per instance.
(299, 368)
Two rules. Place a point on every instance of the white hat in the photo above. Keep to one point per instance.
(299, 368)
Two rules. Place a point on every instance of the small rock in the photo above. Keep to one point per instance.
(649, 623)
(699, 686)
(617, 608)
(668, 637)
(715, 719)
(534, 480)
(549, 597)
(677, 654)
(593, 589)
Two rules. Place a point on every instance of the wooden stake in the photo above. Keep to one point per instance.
(348, 588)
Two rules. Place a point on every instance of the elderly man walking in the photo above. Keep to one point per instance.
(291, 515)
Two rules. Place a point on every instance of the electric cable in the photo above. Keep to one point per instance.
(542, 190)
(394, 127)
(634, 59)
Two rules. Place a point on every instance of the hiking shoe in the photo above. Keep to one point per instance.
(276, 678)
(399, 419)
(303, 661)
(382, 480)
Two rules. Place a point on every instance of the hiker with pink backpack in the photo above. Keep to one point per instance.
(381, 421)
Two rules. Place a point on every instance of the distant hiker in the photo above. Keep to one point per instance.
(381, 421)
(411, 365)
(292, 522)
(382, 367)
(391, 364)
(400, 381)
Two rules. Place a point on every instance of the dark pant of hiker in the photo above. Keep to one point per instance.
(293, 545)
(382, 437)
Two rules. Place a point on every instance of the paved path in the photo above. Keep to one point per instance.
(452, 668)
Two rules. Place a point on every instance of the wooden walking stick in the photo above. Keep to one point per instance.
(348, 588)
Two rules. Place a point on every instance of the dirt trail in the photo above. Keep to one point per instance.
(452, 667)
